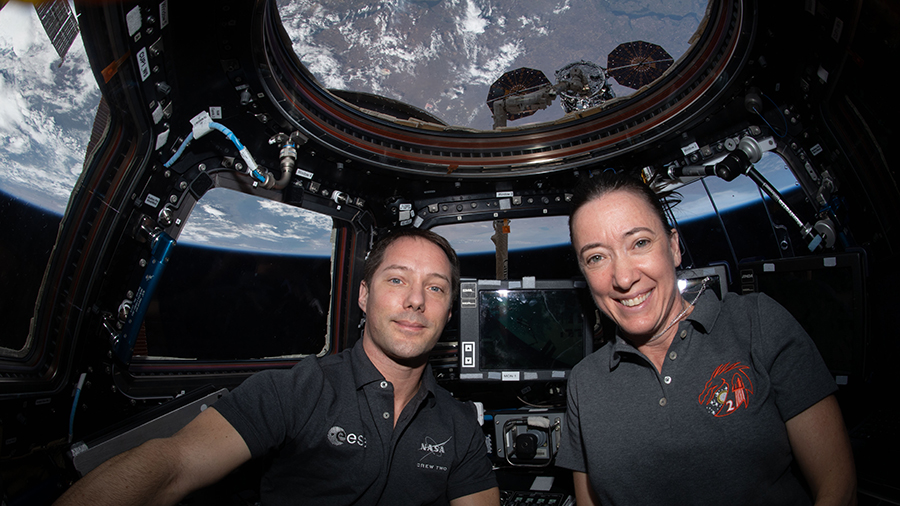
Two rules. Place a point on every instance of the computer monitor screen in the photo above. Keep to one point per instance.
(521, 331)
(826, 294)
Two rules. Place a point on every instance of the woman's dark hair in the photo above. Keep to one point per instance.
(608, 182)
(376, 256)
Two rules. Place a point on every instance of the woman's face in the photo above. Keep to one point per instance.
(629, 260)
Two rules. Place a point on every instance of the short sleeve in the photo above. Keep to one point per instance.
(798, 374)
(571, 449)
(473, 473)
(269, 406)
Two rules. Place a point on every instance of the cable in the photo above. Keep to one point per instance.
(180, 150)
(767, 123)
(252, 166)
(75, 405)
(228, 133)
(201, 128)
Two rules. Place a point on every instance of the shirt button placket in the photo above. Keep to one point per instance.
(384, 385)
(668, 379)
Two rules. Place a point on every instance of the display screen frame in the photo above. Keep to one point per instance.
(689, 279)
(481, 329)
(840, 279)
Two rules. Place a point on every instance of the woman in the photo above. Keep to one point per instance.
(696, 401)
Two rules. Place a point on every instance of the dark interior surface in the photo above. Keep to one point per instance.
(809, 85)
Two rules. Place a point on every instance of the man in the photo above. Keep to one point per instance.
(366, 426)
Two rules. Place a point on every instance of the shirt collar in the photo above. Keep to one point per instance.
(704, 316)
(365, 372)
(706, 312)
(619, 346)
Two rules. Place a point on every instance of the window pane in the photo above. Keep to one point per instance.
(29, 233)
(744, 214)
(263, 291)
(231, 220)
(537, 247)
(702, 236)
(47, 106)
(442, 57)
(753, 233)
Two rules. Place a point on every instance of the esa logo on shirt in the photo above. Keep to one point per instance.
(337, 436)
(729, 387)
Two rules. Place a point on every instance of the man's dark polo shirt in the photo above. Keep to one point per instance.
(330, 420)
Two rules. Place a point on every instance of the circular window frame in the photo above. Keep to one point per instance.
(683, 95)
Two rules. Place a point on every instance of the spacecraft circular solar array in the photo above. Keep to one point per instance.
(580, 85)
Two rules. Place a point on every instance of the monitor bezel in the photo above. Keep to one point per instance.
(751, 272)
(470, 338)
(701, 272)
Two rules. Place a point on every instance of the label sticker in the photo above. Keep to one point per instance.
(690, 148)
(157, 114)
(163, 14)
(162, 138)
(836, 29)
(510, 376)
(143, 63)
(133, 20)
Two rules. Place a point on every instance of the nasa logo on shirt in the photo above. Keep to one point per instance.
(729, 388)
(433, 454)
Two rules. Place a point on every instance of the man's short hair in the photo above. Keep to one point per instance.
(376, 256)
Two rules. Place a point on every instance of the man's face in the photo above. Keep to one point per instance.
(408, 301)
